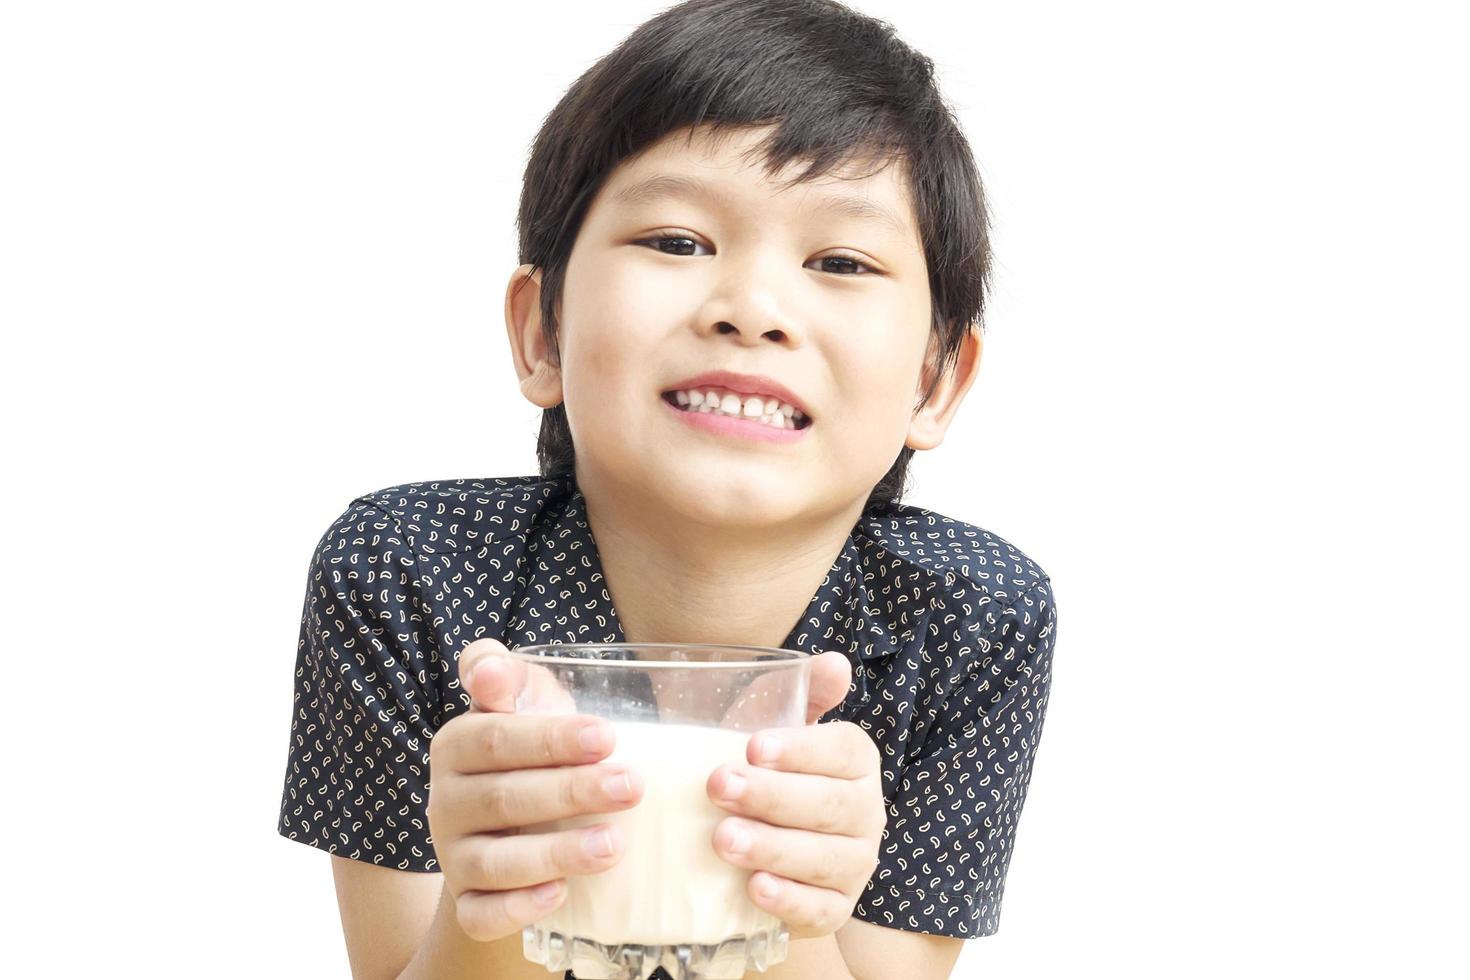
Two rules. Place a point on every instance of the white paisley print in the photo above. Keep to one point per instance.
(949, 628)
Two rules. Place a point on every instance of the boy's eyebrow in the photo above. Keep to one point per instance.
(672, 186)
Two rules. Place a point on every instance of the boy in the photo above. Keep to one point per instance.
(735, 357)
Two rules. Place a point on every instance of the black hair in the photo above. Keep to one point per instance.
(838, 86)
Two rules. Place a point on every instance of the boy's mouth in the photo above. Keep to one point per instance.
(753, 408)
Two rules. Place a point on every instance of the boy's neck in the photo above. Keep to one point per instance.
(675, 583)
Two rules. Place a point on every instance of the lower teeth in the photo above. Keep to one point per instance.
(747, 418)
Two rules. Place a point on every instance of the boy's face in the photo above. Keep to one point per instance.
(753, 279)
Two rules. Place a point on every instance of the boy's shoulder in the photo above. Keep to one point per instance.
(463, 514)
(953, 551)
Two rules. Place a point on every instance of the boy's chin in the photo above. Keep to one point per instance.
(730, 502)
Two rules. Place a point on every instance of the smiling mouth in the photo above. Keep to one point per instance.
(796, 421)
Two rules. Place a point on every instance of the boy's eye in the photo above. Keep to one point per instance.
(682, 242)
(847, 262)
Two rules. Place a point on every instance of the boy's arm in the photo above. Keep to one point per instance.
(402, 924)
(872, 951)
(806, 958)
(385, 914)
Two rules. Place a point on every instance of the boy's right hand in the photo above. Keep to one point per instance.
(493, 772)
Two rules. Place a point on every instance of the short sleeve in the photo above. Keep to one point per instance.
(953, 814)
(357, 769)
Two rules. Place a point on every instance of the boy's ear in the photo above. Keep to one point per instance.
(540, 378)
(927, 428)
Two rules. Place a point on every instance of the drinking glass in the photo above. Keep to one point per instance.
(678, 712)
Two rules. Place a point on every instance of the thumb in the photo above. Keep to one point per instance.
(490, 676)
(831, 675)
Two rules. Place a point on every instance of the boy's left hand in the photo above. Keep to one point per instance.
(813, 816)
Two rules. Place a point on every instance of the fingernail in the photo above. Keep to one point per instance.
(619, 787)
(739, 840)
(598, 844)
(734, 787)
(769, 888)
(546, 894)
(593, 737)
(486, 666)
(767, 749)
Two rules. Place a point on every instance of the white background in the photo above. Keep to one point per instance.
(252, 263)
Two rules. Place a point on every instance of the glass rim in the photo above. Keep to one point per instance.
(776, 656)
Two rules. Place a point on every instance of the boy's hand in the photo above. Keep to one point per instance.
(496, 772)
(813, 816)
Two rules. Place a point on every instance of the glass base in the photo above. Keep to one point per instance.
(591, 960)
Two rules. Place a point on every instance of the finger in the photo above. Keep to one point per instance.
(490, 676)
(487, 916)
(494, 742)
(799, 800)
(499, 682)
(827, 688)
(833, 861)
(543, 693)
(807, 910)
(839, 749)
(753, 708)
(504, 862)
(512, 800)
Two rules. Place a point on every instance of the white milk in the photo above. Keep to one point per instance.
(669, 886)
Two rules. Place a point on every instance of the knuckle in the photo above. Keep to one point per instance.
(489, 867)
(501, 801)
(492, 738)
(828, 868)
(567, 793)
(584, 793)
(832, 811)
(563, 854)
(773, 851)
(548, 743)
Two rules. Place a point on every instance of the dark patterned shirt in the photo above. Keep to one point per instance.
(949, 629)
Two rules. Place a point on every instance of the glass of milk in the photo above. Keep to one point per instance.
(678, 712)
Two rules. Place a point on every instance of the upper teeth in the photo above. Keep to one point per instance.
(771, 411)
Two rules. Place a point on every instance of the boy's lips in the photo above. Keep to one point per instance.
(730, 425)
(742, 384)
